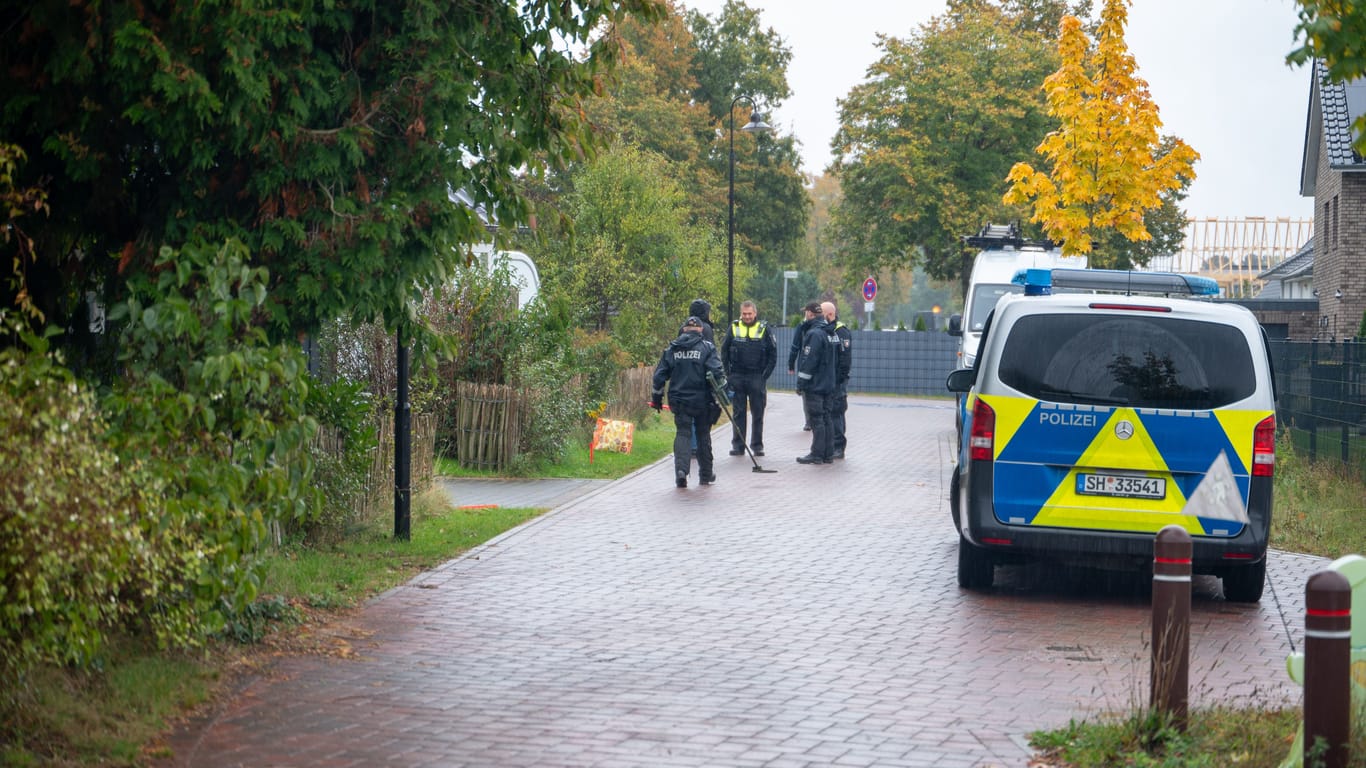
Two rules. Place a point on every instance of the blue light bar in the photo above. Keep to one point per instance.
(1118, 281)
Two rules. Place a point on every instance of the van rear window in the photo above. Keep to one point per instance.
(1146, 362)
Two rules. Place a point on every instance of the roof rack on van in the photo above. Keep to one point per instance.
(1005, 236)
(1042, 281)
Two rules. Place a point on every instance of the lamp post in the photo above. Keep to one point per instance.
(756, 125)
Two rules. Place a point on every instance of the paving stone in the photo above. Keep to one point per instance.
(805, 618)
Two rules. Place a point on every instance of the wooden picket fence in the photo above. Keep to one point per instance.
(632, 398)
(488, 424)
(490, 419)
(377, 495)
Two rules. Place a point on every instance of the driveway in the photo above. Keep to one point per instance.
(808, 617)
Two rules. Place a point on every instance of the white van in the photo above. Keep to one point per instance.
(1004, 253)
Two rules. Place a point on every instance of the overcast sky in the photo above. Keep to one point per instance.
(1216, 70)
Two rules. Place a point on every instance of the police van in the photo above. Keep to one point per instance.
(1095, 418)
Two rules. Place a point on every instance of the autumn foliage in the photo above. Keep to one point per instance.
(1105, 167)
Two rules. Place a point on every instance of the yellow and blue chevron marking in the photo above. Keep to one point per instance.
(1042, 447)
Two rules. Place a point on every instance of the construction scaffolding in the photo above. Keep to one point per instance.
(1233, 251)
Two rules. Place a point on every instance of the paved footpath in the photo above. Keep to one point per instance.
(804, 618)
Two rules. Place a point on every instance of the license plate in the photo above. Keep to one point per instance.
(1127, 486)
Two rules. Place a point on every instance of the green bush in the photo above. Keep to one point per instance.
(558, 408)
(210, 406)
(70, 536)
(920, 322)
(341, 408)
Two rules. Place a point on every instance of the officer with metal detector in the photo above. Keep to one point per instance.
(686, 365)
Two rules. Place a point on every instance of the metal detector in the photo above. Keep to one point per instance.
(725, 407)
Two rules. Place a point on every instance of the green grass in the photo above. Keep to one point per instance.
(105, 717)
(1318, 505)
(653, 438)
(1216, 738)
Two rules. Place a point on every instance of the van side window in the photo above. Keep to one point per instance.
(1144, 362)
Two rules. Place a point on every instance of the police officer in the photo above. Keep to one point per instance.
(810, 312)
(816, 372)
(840, 401)
(749, 354)
(685, 364)
(701, 309)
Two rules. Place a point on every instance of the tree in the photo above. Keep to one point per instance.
(1166, 223)
(926, 139)
(737, 56)
(650, 105)
(1333, 31)
(1106, 167)
(327, 137)
(635, 260)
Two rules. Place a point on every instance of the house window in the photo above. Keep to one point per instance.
(1335, 221)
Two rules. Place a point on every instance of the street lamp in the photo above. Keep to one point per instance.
(756, 125)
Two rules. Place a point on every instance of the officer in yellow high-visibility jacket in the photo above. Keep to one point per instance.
(750, 354)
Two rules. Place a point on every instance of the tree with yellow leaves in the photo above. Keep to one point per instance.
(1107, 167)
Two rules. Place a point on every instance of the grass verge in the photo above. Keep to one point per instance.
(653, 438)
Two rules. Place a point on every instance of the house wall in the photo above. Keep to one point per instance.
(1339, 249)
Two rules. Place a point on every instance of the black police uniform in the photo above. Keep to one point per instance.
(840, 401)
(685, 364)
(816, 375)
(794, 353)
(750, 354)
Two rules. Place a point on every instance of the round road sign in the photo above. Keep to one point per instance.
(869, 289)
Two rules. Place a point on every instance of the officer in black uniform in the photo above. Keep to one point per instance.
(810, 312)
(700, 309)
(749, 354)
(685, 364)
(839, 403)
(816, 371)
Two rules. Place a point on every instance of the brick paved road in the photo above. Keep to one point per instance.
(805, 618)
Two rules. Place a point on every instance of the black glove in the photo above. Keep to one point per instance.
(656, 403)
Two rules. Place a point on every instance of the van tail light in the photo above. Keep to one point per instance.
(1264, 448)
(982, 440)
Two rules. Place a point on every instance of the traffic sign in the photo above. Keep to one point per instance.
(869, 289)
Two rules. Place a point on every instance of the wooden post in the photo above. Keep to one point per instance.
(1171, 624)
(1327, 668)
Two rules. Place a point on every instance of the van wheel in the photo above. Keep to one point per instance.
(1244, 585)
(976, 569)
(954, 491)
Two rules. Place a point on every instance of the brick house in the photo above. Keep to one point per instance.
(1334, 174)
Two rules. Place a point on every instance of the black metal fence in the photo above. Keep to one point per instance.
(893, 362)
(1321, 399)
